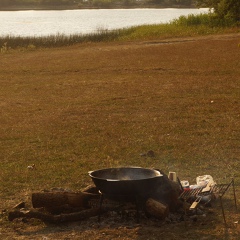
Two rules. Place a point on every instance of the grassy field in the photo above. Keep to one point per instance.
(94, 105)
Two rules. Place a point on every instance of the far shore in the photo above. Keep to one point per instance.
(74, 7)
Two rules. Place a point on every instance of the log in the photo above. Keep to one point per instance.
(46, 217)
(156, 209)
(51, 200)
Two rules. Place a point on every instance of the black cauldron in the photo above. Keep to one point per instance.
(135, 181)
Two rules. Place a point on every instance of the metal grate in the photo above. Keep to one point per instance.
(219, 190)
(191, 193)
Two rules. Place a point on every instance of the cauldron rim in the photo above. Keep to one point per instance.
(157, 174)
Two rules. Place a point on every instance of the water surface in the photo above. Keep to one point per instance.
(44, 23)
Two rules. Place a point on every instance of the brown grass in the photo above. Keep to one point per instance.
(80, 108)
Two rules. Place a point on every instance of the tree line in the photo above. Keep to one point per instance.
(79, 2)
(35, 2)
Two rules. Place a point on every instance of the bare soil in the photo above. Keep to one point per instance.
(174, 96)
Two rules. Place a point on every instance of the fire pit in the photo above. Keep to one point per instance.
(125, 180)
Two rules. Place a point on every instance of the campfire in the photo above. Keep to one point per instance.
(129, 189)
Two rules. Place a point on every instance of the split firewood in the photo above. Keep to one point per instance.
(46, 217)
(157, 209)
(53, 200)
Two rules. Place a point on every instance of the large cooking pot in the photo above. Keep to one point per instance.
(133, 181)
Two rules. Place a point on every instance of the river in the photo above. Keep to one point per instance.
(45, 23)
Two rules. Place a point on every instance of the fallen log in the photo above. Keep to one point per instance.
(53, 200)
(156, 209)
(46, 217)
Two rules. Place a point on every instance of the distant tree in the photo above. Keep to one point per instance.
(224, 9)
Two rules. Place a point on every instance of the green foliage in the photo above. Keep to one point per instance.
(224, 9)
(192, 19)
(208, 20)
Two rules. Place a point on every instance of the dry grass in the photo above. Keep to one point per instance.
(80, 108)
